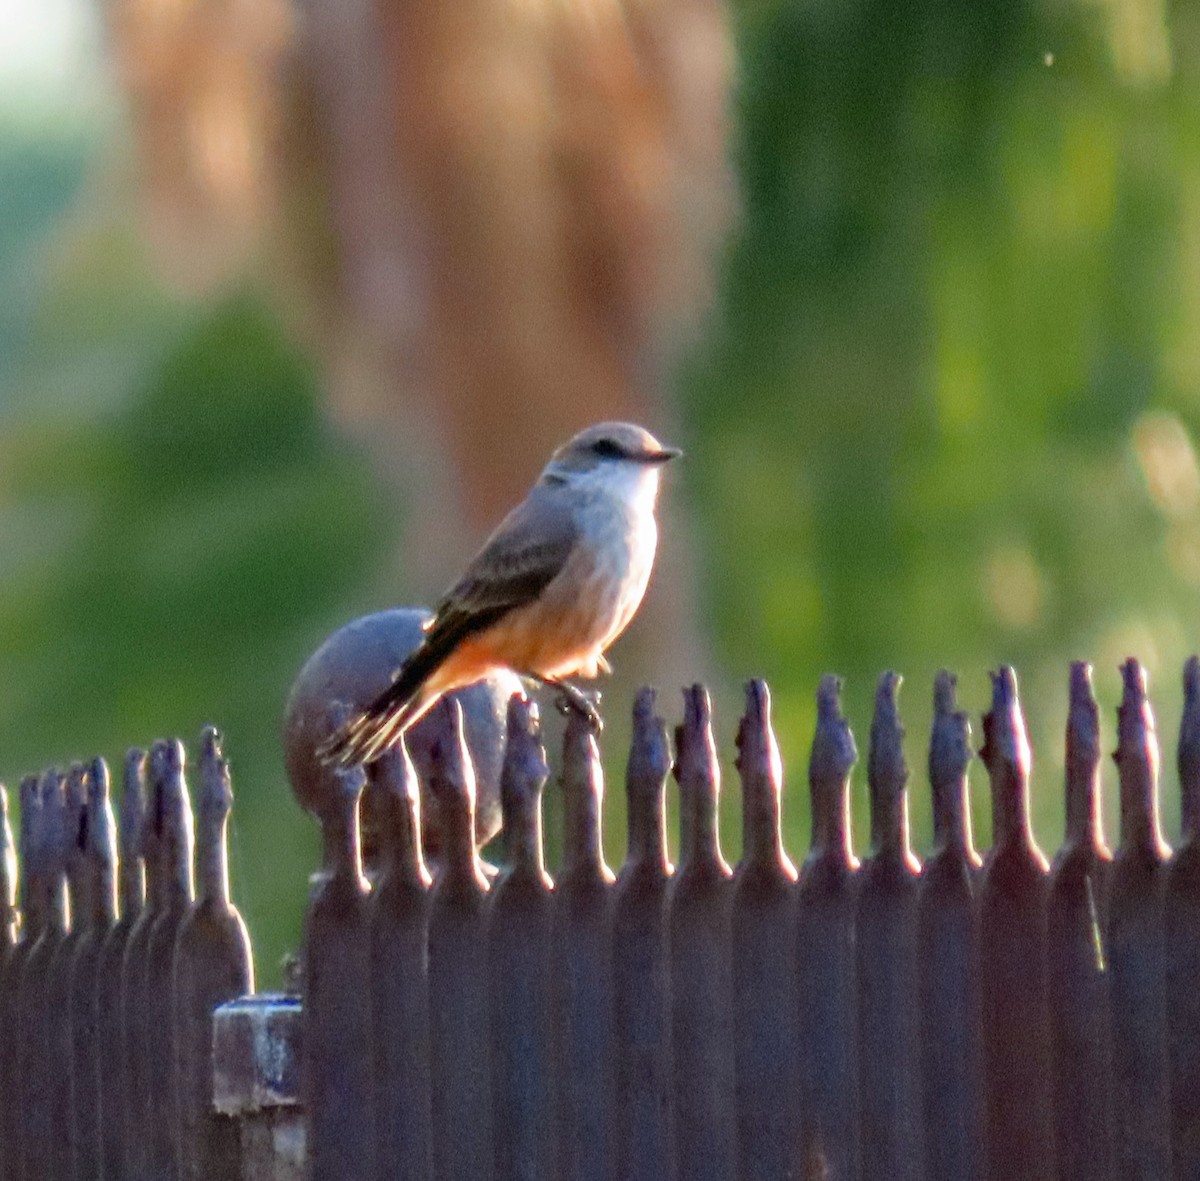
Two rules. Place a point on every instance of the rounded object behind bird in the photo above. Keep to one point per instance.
(352, 667)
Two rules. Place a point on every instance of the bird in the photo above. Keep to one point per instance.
(553, 586)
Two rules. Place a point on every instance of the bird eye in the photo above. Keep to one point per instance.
(607, 449)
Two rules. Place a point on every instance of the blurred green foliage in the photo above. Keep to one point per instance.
(942, 417)
(966, 283)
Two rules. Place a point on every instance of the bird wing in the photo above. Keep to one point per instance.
(528, 549)
(519, 560)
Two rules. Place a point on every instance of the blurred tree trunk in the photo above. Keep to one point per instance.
(494, 218)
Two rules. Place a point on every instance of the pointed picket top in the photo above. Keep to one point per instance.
(1007, 756)
(830, 762)
(1137, 760)
(393, 780)
(337, 813)
(1188, 753)
(100, 847)
(949, 758)
(151, 842)
(583, 800)
(646, 785)
(75, 841)
(1083, 827)
(699, 777)
(132, 873)
(522, 779)
(887, 776)
(452, 784)
(8, 874)
(760, 768)
(178, 838)
(30, 894)
(212, 820)
(52, 848)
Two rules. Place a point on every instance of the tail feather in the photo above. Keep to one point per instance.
(371, 733)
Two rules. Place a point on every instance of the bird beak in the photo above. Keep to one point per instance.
(663, 455)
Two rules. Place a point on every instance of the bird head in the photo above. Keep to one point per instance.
(619, 456)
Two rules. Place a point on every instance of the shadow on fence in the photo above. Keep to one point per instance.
(995, 1017)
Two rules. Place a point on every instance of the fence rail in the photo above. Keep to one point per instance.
(995, 1017)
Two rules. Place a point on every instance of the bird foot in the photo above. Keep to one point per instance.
(572, 699)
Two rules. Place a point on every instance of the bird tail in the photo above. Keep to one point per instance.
(368, 735)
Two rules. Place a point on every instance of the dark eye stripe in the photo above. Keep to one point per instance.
(607, 448)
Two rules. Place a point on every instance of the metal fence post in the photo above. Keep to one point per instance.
(1135, 946)
(701, 984)
(885, 933)
(458, 970)
(32, 907)
(9, 927)
(641, 995)
(825, 977)
(524, 1090)
(1077, 974)
(1012, 932)
(212, 964)
(948, 957)
(763, 921)
(58, 978)
(36, 1018)
(136, 1021)
(336, 1072)
(256, 1085)
(1182, 938)
(583, 962)
(160, 1099)
(112, 1081)
(399, 919)
(99, 854)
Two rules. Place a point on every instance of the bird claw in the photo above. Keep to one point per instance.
(571, 699)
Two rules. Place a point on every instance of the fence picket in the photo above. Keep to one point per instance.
(765, 1007)
(138, 1031)
(1181, 923)
(399, 933)
(583, 963)
(9, 933)
(1016, 1027)
(160, 1096)
(524, 1089)
(336, 1065)
(948, 957)
(114, 1112)
(825, 980)
(458, 969)
(641, 994)
(56, 1165)
(212, 964)
(885, 925)
(701, 985)
(35, 1017)
(1135, 946)
(1077, 971)
(95, 918)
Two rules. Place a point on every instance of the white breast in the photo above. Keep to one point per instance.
(600, 589)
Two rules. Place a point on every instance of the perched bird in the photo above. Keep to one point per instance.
(555, 584)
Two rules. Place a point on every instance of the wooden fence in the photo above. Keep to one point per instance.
(999, 1018)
